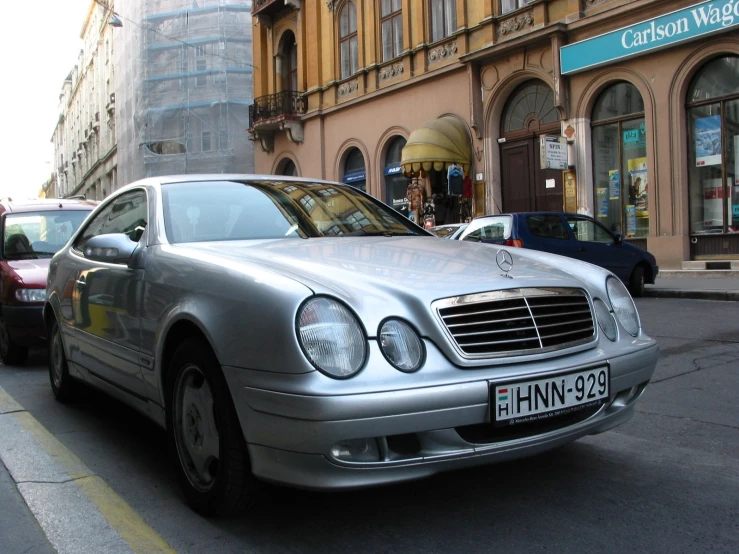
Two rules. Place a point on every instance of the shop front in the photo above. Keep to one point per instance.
(437, 160)
(654, 115)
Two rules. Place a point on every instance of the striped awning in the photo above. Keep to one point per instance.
(438, 144)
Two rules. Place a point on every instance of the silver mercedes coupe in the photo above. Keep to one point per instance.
(302, 332)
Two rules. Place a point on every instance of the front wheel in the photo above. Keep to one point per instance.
(11, 353)
(636, 282)
(206, 443)
(64, 387)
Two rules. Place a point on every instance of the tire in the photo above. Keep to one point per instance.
(10, 352)
(636, 282)
(64, 387)
(206, 444)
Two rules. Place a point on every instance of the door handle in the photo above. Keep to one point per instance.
(581, 249)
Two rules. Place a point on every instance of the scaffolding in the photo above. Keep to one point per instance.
(184, 88)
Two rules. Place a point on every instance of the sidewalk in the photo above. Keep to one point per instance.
(700, 285)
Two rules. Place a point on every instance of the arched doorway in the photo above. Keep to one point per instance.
(713, 160)
(287, 167)
(354, 170)
(287, 62)
(529, 114)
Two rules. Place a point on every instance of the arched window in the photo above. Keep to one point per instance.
(349, 54)
(391, 22)
(620, 174)
(287, 168)
(443, 18)
(530, 108)
(396, 184)
(354, 171)
(713, 147)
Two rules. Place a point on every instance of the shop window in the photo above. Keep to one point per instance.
(443, 18)
(396, 184)
(507, 6)
(354, 170)
(713, 147)
(620, 171)
(348, 51)
(391, 23)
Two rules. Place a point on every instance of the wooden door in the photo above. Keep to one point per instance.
(548, 192)
(517, 164)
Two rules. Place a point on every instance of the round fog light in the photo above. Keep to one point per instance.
(356, 450)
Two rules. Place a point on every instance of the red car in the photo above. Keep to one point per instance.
(31, 232)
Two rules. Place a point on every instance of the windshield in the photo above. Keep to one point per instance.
(195, 212)
(31, 235)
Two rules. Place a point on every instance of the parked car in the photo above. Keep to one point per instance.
(574, 235)
(31, 232)
(449, 231)
(302, 332)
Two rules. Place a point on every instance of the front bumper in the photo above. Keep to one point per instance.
(25, 324)
(290, 435)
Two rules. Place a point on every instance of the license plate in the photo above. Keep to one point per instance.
(526, 401)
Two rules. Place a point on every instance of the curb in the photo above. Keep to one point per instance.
(730, 295)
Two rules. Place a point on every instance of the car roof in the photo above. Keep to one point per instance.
(46, 204)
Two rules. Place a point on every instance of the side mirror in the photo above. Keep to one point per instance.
(115, 248)
(618, 238)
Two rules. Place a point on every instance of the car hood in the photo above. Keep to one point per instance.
(426, 268)
(31, 272)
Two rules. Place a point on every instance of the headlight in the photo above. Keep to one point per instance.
(31, 295)
(605, 320)
(623, 306)
(401, 345)
(331, 337)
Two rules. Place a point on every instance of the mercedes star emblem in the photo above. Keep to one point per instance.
(505, 261)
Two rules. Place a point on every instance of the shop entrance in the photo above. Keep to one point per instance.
(526, 187)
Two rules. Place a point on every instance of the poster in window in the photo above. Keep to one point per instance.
(630, 220)
(708, 141)
(638, 188)
(602, 201)
(614, 184)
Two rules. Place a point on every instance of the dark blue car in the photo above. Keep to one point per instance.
(574, 235)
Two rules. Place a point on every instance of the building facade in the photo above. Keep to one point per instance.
(84, 138)
(184, 87)
(622, 109)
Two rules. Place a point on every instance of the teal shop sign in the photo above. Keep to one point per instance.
(660, 32)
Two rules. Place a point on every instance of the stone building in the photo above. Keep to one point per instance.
(627, 110)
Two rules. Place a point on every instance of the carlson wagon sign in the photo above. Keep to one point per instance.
(653, 34)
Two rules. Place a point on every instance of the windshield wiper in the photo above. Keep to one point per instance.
(363, 233)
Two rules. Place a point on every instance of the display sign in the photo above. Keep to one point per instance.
(660, 32)
(570, 189)
(614, 184)
(708, 141)
(553, 152)
(601, 200)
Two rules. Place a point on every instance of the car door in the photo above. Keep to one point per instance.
(546, 232)
(107, 299)
(597, 245)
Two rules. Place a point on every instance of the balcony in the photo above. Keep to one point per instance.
(277, 112)
(265, 10)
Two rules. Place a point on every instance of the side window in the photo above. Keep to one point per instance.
(127, 214)
(589, 231)
(547, 226)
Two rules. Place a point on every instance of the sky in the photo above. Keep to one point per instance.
(39, 45)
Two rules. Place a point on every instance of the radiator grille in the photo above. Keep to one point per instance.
(518, 321)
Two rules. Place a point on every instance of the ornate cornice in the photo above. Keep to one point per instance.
(331, 4)
(390, 71)
(348, 87)
(516, 23)
(441, 52)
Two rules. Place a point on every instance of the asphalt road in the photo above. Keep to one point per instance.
(667, 481)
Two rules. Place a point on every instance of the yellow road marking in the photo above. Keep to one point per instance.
(132, 528)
